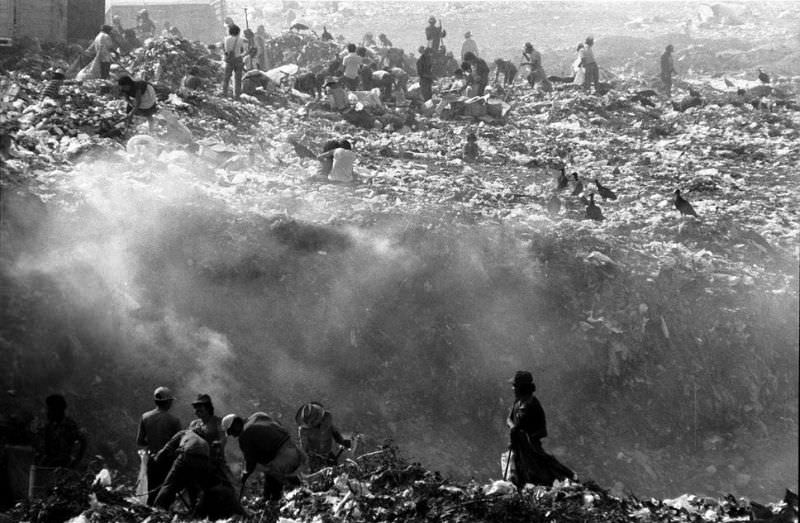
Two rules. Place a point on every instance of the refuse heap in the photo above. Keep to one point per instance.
(303, 49)
(382, 486)
(167, 60)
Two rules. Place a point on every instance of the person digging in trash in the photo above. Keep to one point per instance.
(342, 158)
(264, 441)
(234, 48)
(434, 34)
(186, 457)
(479, 76)
(59, 442)
(533, 59)
(141, 98)
(156, 429)
(317, 434)
(527, 426)
(667, 70)
(208, 425)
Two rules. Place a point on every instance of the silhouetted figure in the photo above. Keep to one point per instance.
(578, 188)
(593, 211)
(59, 442)
(763, 77)
(156, 428)
(683, 205)
(605, 192)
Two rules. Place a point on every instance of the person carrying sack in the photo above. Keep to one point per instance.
(235, 49)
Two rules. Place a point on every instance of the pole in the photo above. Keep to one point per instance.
(246, 23)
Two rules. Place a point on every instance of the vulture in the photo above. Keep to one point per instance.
(764, 77)
(593, 212)
(605, 192)
(578, 185)
(683, 205)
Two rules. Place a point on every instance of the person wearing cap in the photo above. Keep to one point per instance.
(469, 45)
(264, 441)
(527, 425)
(208, 425)
(591, 71)
(156, 428)
(59, 442)
(667, 69)
(317, 434)
(434, 34)
(186, 456)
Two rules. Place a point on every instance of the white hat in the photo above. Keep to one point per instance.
(227, 421)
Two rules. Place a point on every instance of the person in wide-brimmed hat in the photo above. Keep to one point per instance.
(469, 45)
(156, 428)
(434, 33)
(528, 426)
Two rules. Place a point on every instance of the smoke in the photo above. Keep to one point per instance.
(408, 329)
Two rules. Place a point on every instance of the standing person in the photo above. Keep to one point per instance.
(141, 98)
(536, 74)
(208, 425)
(145, 28)
(352, 66)
(667, 69)
(425, 73)
(116, 24)
(527, 426)
(317, 434)
(434, 34)
(577, 68)
(479, 72)
(261, 47)
(469, 45)
(589, 64)
(156, 428)
(103, 45)
(59, 442)
(234, 48)
(263, 441)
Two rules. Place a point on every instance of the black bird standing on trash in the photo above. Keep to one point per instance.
(683, 205)
(326, 36)
(764, 77)
(605, 192)
(578, 185)
(593, 212)
(563, 181)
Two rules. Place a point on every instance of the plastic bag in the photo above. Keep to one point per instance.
(141, 482)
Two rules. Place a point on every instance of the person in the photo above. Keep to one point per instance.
(130, 40)
(536, 72)
(186, 457)
(337, 97)
(52, 88)
(59, 442)
(264, 441)
(508, 69)
(471, 149)
(317, 434)
(400, 78)
(156, 428)
(368, 41)
(208, 425)
(384, 40)
(212, 53)
(141, 98)
(577, 68)
(165, 33)
(251, 60)
(145, 28)
(191, 81)
(234, 48)
(116, 24)
(342, 159)
(527, 426)
(469, 45)
(667, 70)
(591, 71)
(261, 47)
(459, 82)
(434, 34)
(425, 73)
(103, 45)
(384, 80)
(479, 76)
(352, 65)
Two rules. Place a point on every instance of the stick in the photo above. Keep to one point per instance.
(246, 23)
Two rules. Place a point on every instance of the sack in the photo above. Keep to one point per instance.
(141, 480)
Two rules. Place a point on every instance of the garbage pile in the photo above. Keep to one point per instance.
(302, 49)
(167, 60)
(381, 486)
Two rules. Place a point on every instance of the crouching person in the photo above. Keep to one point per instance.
(265, 442)
(191, 468)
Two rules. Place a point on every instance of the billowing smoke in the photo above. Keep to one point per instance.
(408, 329)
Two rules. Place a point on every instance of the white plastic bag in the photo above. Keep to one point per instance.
(141, 482)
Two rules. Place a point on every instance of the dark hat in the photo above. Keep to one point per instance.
(522, 377)
(202, 399)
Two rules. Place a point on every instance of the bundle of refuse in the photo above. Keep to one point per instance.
(302, 49)
(381, 486)
(168, 60)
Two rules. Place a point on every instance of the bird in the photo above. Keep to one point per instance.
(562, 181)
(764, 77)
(729, 83)
(299, 27)
(683, 205)
(593, 212)
(301, 150)
(553, 204)
(605, 192)
(578, 185)
(326, 36)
